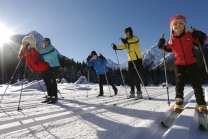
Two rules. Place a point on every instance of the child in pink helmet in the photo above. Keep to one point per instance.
(182, 43)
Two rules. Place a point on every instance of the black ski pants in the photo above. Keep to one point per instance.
(101, 77)
(193, 74)
(134, 78)
(49, 77)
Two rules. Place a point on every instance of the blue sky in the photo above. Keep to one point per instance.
(76, 27)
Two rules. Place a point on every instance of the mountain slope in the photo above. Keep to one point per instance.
(115, 66)
(154, 57)
(151, 58)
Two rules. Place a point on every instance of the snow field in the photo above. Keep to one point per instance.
(84, 117)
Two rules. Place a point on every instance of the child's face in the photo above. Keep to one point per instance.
(178, 27)
(127, 34)
(94, 57)
(24, 44)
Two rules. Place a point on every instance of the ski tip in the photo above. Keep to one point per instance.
(19, 110)
(163, 124)
(202, 128)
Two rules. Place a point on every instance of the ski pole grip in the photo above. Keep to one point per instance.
(163, 35)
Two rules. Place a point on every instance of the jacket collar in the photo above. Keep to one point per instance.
(46, 46)
(182, 34)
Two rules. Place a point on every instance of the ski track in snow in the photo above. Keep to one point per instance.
(80, 117)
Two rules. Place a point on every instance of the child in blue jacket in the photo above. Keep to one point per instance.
(99, 63)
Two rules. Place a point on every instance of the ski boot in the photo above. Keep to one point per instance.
(202, 108)
(201, 102)
(178, 106)
(132, 94)
(115, 91)
(48, 98)
(53, 101)
(100, 95)
(139, 95)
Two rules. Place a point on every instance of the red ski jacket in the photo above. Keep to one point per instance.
(31, 56)
(182, 48)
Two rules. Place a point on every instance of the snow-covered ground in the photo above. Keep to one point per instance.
(79, 117)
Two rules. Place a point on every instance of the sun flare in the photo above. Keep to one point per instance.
(4, 34)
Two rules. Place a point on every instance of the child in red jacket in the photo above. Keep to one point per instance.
(29, 54)
(182, 44)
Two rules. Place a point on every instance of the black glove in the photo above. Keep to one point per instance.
(161, 42)
(114, 46)
(124, 40)
(102, 57)
(199, 35)
(89, 57)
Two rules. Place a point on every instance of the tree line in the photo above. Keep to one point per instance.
(72, 70)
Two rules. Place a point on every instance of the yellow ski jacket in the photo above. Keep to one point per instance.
(132, 48)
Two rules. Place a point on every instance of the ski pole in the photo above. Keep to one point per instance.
(200, 47)
(205, 63)
(121, 73)
(107, 81)
(18, 108)
(60, 94)
(38, 82)
(166, 77)
(138, 74)
(106, 78)
(11, 78)
(88, 78)
(140, 78)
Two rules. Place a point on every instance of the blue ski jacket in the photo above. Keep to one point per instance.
(50, 56)
(100, 65)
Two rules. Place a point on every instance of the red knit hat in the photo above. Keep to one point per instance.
(173, 19)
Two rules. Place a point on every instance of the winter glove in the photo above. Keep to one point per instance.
(102, 57)
(161, 42)
(89, 57)
(114, 46)
(21, 54)
(124, 40)
(199, 35)
(27, 52)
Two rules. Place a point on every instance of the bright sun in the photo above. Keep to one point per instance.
(4, 34)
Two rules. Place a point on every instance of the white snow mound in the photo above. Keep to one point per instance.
(63, 81)
(81, 80)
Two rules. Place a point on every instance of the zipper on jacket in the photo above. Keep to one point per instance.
(183, 52)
